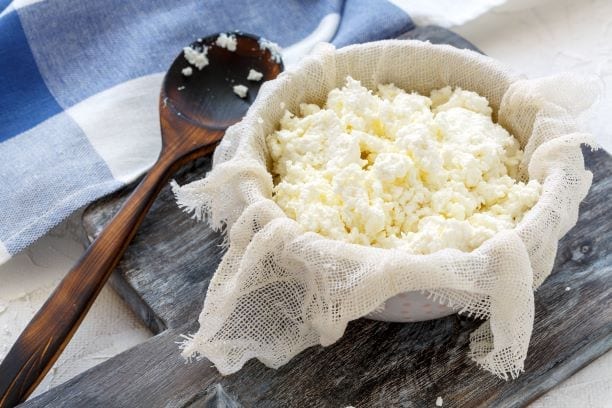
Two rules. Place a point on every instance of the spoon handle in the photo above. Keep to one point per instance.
(45, 337)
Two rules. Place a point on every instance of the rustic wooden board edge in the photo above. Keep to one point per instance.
(71, 394)
(136, 304)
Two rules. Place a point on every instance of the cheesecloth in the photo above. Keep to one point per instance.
(279, 290)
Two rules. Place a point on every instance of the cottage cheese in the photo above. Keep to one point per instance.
(187, 71)
(274, 48)
(240, 90)
(228, 42)
(394, 169)
(196, 57)
(254, 75)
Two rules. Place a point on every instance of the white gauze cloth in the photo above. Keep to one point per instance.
(279, 289)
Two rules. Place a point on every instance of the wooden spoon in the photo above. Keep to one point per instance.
(195, 110)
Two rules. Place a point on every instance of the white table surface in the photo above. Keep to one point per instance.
(535, 37)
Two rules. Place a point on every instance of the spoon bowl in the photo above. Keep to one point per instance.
(206, 97)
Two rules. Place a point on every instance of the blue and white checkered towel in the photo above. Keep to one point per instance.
(79, 83)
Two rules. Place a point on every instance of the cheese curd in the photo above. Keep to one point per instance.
(228, 42)
(197, 57)
(240, 90)
(254, 75)
(393, 169)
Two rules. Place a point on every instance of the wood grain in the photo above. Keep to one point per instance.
(166, 270)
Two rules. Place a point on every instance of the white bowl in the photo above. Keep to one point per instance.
(410, 307)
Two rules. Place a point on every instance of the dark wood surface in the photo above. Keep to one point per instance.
(165, 272)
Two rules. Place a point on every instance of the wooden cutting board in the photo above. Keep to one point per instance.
(165, 273)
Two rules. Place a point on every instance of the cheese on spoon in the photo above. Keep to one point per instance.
(394, 169)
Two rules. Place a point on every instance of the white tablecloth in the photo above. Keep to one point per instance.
(535, 37)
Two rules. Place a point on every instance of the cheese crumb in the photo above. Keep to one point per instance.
(393, 169)
(439, 402)
(228, 42)
(196, 57)
(180, 88)
(187, 71)
(241, 90)
(254, 75)
(274, 48)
